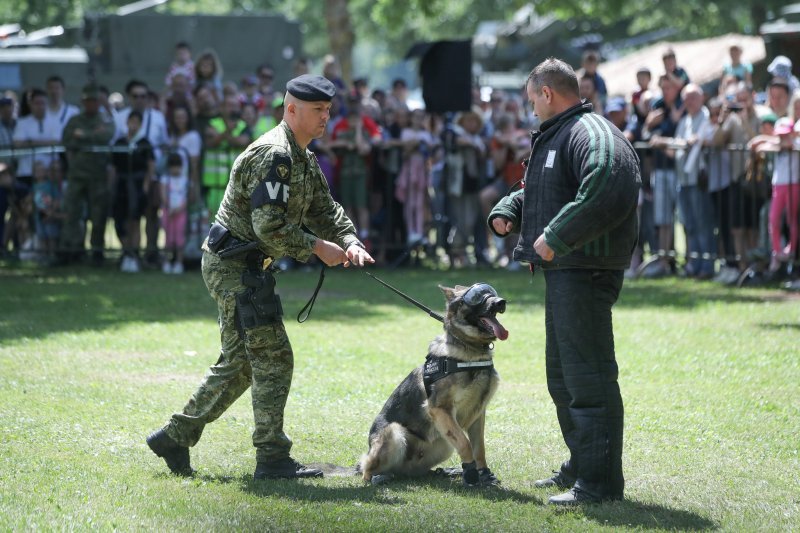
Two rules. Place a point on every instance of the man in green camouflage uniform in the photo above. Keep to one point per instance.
(87, 177)
(275, 188)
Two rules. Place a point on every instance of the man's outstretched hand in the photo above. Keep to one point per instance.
(357, 256)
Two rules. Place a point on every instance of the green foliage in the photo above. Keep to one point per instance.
(692, 19)
(93, 360)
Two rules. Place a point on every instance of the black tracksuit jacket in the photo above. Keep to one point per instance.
(581, 189)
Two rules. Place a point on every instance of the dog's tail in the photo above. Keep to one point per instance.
(387, 450)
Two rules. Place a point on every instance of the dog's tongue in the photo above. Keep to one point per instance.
(499, 331)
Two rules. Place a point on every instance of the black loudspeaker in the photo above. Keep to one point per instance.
(446, 70)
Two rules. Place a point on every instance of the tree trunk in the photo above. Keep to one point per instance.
(340, 33)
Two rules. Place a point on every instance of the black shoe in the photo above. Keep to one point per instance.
(284, 469)
(559, 479)
(176, 456)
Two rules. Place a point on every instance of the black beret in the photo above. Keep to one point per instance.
(311, 88)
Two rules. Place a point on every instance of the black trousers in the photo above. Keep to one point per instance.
(582, 375)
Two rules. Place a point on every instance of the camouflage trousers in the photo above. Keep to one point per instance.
(262, 360)
(85, 192)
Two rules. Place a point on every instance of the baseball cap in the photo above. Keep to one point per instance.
(615, 104)
(784, 126)
(769, 118)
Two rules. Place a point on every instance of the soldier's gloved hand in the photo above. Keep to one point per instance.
(357, 256)
(329, 252)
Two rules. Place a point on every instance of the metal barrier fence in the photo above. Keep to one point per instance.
(729, 198)
(729, 204)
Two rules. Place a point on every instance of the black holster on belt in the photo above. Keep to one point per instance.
(258, 305)
(224, 244)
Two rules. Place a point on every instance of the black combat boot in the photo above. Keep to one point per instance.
(284, 469)
(176, 456)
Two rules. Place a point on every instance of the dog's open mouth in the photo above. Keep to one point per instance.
(490, 323)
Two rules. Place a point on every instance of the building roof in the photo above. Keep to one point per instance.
(702, 59)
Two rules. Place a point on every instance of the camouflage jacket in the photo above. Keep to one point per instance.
(275, 190)
(97, 131)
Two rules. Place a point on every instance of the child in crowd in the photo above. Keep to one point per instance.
(251, 95)
(134, 166)
(411, 188)
(47, 198)
(182, 64)
(736, 68)
(785, 194)
(175, 192)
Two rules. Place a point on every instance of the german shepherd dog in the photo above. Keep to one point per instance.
(426, 416)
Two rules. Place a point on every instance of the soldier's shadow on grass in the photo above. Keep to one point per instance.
(633, 514)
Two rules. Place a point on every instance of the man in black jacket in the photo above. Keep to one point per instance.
(576, 216)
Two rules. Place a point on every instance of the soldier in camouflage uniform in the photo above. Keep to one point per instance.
(275, 188)
(87, 177)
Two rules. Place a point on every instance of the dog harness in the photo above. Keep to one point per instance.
(437, 368)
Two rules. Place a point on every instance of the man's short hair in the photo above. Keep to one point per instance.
(36, 93)
(55, 78)
(182, 44)
(557, 75)
(133, 84)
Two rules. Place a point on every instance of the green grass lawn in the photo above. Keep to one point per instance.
(92, 361)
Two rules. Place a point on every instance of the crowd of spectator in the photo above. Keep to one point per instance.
(416, 184)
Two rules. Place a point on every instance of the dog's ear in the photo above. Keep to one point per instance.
(449, 294)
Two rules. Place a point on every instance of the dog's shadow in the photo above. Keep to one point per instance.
(317, 491)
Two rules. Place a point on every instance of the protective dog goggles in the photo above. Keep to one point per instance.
(479, 293)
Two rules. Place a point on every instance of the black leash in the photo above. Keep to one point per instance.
(310, 304)
(409, 299)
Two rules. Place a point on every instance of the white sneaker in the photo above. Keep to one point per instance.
(166, 268)
(134, 265)
(124, 265)
(723, 275)
(177, 268)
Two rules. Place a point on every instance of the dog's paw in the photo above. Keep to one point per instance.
(469, 475)
(487, 478)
